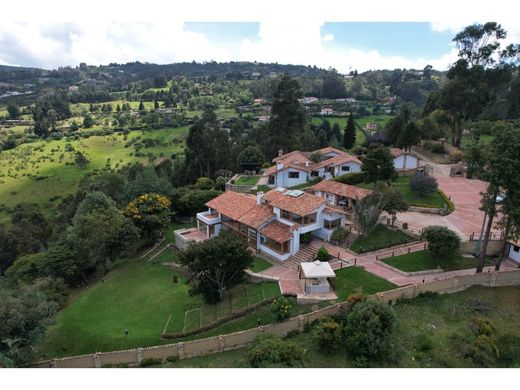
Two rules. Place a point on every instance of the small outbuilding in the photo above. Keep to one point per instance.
(315, 277)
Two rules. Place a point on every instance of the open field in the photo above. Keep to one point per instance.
(422, 260)
(41, 171)
(432, 331)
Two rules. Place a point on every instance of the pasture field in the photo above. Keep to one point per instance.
(40, 172)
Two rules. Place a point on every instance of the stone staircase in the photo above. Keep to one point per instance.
(305, 254)
(347, 242)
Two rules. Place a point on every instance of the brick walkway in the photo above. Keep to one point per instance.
(290, 285)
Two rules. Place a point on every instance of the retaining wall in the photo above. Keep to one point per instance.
(241, 339)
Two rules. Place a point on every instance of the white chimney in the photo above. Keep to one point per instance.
(260, 197)
(279, 166)
(306, 163)
(280, 153)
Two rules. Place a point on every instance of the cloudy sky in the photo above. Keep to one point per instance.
(49, 43)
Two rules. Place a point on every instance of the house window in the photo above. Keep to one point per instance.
(294, 175)
(345, 168)
(516, 248)
(332, 224)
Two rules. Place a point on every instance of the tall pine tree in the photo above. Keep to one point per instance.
(349, 138)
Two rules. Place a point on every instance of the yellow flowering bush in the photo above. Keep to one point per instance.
(150, 213)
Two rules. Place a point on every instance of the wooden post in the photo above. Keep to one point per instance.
(392, 253)
(377, 257)
(355, 260)
(424, 245)
(408, 249)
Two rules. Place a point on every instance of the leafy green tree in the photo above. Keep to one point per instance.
(151, 214)
(25, 314)
(13, 111)
(333, 85)
(349, 138)
(322, 139)
(97, 232)
(368, 331)
(51, 106)
(393, 202)
(214, 272)
(8, 248)
(378, 164)
(203, 183)
(287, 117)
(250, 157)
(478, 42)
(147, 181)
(269, 350)
(26, 268)
(442, 242)
(31, 228)
(141, 106)
(328, 335)
(409, 136)
(80, 160)
(365, 214)
(88, 121)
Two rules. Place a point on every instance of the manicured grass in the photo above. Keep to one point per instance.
(353, 279)
(247, 180)
(381, 237)
(260, 264)
(402, 183)
(442, 322)
(138, 296)
(422, 260)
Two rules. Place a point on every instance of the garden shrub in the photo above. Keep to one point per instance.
(437, 148)
(351, 178)
(281, 308)
(323, 254)
(327, 334)
(368, 331)
(423, 184)
(442, 242)
(269, 350)
(204, 183)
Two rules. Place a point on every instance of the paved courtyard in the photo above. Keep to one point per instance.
(466, 219)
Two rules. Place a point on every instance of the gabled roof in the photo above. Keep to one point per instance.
(301, 205)
(329, 149)
(340, 189)
(395, 152)
(343, 158)
(233, 204)
(277, 231)
(295, 155)
(257, 216)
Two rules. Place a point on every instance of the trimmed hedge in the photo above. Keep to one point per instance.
(451, 205)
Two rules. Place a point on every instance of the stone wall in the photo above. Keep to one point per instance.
(241, 339)
(493, 248)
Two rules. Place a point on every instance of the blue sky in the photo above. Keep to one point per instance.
(344, 46)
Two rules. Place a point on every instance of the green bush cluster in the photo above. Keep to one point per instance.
(386, 244)
(351, 178)
(282, 309)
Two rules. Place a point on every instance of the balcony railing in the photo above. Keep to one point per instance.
(209, 218)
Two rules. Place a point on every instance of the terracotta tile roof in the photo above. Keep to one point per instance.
(337, 160)
(295, 155)
(329, 149)
(242, 208)
(294, 164)
(277, 231)
(332, 209)
(302, 205)
(232, 204)
(257, 216)
(340, 189)
(395, 152)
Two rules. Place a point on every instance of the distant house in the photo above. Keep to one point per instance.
(403, 160)
(327, 111)
(164, 110)
(297, 168)
(264, 118)
(372, 126)
(514, 250)
(308, 100)
(271, 223)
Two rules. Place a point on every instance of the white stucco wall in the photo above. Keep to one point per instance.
(411, 162)
(354, 167)
(270, 252)
(514, 255)
(283, 180)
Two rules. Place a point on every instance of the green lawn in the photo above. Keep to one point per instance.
(247, 180)
(422, 260)
(353, 279)
(260, 264)
(402, 183)
(432, 331)
(139, 296)
(381, 237)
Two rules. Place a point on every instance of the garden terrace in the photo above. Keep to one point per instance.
(381, 237)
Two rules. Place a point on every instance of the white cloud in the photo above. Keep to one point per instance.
(50, 45)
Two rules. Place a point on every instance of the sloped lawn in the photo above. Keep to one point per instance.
(380, 238)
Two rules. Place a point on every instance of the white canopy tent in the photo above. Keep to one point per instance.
(317, 270)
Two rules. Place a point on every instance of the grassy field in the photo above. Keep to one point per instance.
(247, 180)
(260, 264)
(402, 183)
(422, 260)
(355, 279)
(381, 237)
(38, 172)
(139, 296)
(432, 331)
